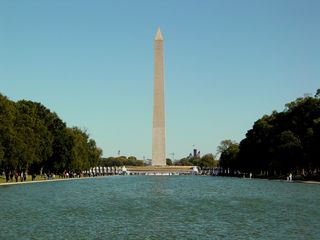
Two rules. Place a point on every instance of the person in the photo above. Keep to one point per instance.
(250, 175)
(290, 177)
(11, 176)
(16, 175)
(34, 176)
(7, 176)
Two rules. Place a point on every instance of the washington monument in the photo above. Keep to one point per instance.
(158, 131)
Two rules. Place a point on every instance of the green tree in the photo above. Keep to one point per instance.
(120, 161)
(224, 145)
(284, 141)
(184, 162)
(206, 161)
(1, 154)
(95, 153)
(33, 138)
(289, 151)
(8, 139)
(229, 151)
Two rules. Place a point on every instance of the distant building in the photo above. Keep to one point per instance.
(196, 153)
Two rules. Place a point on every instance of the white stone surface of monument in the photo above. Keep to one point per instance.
(158, 132)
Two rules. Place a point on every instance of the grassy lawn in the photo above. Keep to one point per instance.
(29, 178)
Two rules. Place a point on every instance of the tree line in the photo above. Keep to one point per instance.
(206, 161)
(120, 161)
(280, 143)
(34, 139)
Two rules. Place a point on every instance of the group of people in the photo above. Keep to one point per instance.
(15, 174)
(21, 176)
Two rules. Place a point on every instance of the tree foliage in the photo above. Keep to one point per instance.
(120, 161)
(206, 161)
(32, 138)
(281, 142)
(228, 154)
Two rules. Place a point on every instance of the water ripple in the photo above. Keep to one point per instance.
(153, 207)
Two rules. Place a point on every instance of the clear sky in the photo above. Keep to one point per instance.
(227, 63)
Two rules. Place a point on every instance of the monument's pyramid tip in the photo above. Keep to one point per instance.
(159, 35)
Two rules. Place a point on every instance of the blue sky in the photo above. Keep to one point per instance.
(227, 63)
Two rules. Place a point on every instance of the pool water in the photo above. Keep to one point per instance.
(160, 207)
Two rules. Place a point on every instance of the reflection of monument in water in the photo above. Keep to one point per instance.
(158, 131)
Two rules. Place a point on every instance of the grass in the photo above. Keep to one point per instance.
(29, 179)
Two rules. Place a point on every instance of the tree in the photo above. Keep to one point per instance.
(207, 161)
(229, 154)
(120, 161)
(289, 150)
(224, 145)
(184, 162)
(33, 138)
(95, 153)
(284, 141)
(8, 138)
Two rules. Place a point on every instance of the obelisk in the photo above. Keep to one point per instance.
(158, 131)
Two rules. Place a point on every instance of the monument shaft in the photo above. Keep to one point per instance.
(158, 133)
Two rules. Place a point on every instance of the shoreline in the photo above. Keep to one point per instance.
(82, 178)
(46, 181)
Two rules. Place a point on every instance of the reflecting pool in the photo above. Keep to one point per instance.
(160, 207)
